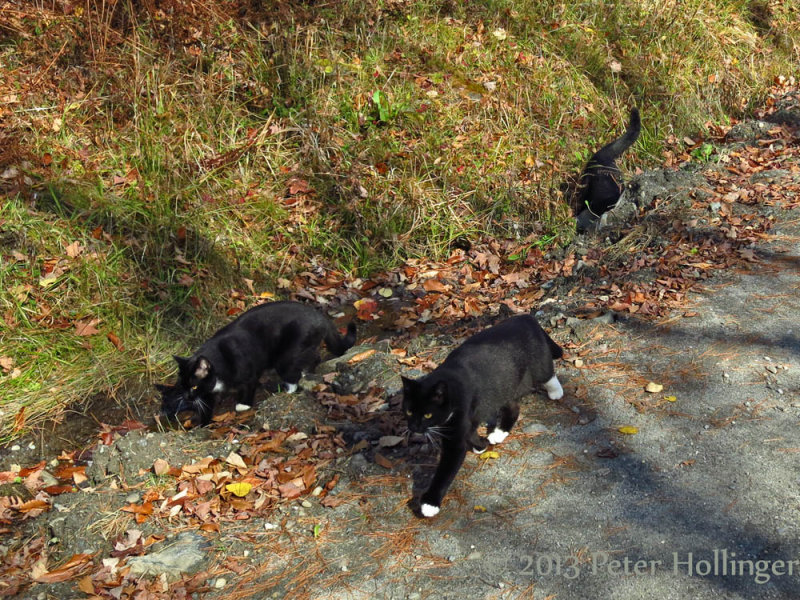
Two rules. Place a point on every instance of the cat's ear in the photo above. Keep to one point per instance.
(439, 395)
(408, 385)
(164, 388)
(182, 362)
(202, 367)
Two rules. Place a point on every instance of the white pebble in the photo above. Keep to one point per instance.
(220, 583)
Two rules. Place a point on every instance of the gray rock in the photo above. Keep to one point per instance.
(786, 117)
(358, 466)
(535, 428)
(644, 189)
(336, 363)
(375, 370)
(772, 176)
(749, 131)
(624, 212)
(186, 554)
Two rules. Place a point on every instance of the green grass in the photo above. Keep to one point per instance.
(167, 145)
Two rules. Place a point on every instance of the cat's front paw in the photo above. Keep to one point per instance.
(289, 388)
(498, 436)
(429, 510)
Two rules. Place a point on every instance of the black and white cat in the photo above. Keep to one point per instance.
(479, 382)
(285, 336)
(600, 183)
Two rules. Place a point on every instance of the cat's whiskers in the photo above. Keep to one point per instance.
(433, 439)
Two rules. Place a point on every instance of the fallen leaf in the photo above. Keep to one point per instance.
(289, 490)
(74, 249)
(87, 327)
(239, 488)
(489, 454)
(331, 501)
(434, 285)
(388, 441)
(383, 461)
(115, 341)
(160, 466)
(366, 307)
(628, 430)
(74, 567)
(670, 398)
(479, 508)
(236, 460)
(19, 419)
(6, 363)
(86, 586)
(361, 356)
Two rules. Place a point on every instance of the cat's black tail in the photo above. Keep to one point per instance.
(338, 344)
(555, 349)
(610, 152)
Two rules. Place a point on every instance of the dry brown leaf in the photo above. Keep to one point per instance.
(361, 356)
(115, 341)
(160, 466)
(381, 460)
(86, 327)
(74, 249)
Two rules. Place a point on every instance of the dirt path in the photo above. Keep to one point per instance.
(700, 502)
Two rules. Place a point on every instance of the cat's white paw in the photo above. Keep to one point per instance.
(479, 450)
(498, 436)
(554, 389)
(243, 407)
(429, 510)
(289, 388)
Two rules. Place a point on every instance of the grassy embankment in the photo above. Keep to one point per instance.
(199, 151)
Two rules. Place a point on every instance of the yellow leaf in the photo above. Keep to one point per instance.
(489, 454)
(628, 430)
(670, 398)
(240, 488)
(479, 508)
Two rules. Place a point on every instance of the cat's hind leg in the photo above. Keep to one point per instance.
(508, 416)
(554, 389)
(291, 367)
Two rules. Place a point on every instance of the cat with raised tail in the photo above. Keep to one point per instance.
(479, 382)
(600, 183)
(284, 336)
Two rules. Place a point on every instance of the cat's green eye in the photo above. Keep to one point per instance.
(194, 387)
(429, 415)
(408, 412)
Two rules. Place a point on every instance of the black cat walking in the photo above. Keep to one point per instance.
(600, 184)
(479, 382)
(285, 336)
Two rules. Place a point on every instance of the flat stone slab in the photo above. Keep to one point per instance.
(186, 554)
